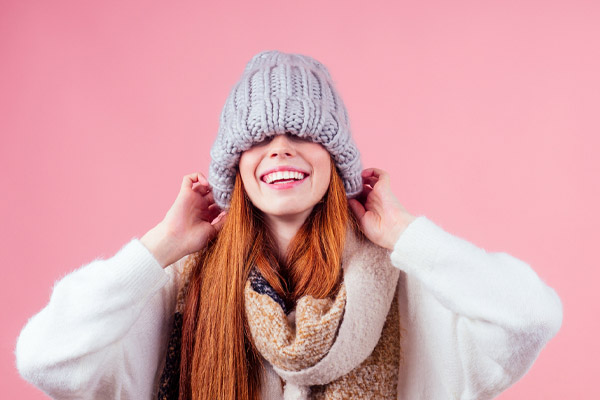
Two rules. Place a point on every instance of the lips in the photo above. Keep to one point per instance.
(281, 169)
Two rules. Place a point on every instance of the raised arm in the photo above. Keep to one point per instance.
(103, 333)
(474, 321)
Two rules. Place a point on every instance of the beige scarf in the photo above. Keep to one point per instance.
(329, 348)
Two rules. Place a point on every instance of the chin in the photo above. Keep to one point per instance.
(281, 210)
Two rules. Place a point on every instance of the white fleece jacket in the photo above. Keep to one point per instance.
(473, 323)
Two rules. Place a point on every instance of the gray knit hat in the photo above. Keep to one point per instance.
(282, 93)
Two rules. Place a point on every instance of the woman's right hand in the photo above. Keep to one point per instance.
(189, 224)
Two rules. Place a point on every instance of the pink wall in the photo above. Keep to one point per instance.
(485, 114)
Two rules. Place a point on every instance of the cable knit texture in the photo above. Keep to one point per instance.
(282, 93)
(472, 323)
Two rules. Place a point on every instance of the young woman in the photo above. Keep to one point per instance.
(290, 273)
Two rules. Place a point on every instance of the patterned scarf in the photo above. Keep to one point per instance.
(335, 348)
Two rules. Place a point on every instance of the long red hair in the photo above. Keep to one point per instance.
(218, 360)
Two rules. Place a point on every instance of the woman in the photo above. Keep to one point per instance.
(290, 273)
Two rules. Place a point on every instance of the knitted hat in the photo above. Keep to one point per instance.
(282, 93)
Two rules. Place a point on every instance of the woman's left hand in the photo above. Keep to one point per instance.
(381, 216)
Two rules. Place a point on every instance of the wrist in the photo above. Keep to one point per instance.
(161, 244)
(399, 230)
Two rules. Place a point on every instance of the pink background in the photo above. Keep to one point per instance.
(484, 113)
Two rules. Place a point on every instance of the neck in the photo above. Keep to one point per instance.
(284, 227)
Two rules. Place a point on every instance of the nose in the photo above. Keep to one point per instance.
(281, 146)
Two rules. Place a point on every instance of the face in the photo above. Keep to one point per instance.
(285, 176)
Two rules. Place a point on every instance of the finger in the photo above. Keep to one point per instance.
(372, 183)
(374, 172)
(209, 197)
(202, 179)
(364, 194)
(213, 212)
(202, 189)
(219, 221)
(190, 179)
(206, 205)
(371, 180)
(357, 208)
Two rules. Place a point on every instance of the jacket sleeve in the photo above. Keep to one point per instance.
(474, 321)
(104, 330)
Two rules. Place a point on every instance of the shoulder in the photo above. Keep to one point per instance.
(366, 260)
(358, 247)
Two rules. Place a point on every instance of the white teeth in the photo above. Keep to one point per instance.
(275, 176)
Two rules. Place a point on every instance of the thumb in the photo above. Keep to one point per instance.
(218, 222)
(357, 208)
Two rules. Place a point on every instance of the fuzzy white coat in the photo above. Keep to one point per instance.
(473, 322)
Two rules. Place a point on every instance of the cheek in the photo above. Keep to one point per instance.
(247, 166)
(324, 172)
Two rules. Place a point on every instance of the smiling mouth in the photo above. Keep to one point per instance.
(283, 177)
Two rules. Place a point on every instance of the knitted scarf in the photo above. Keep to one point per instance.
(347, 346)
